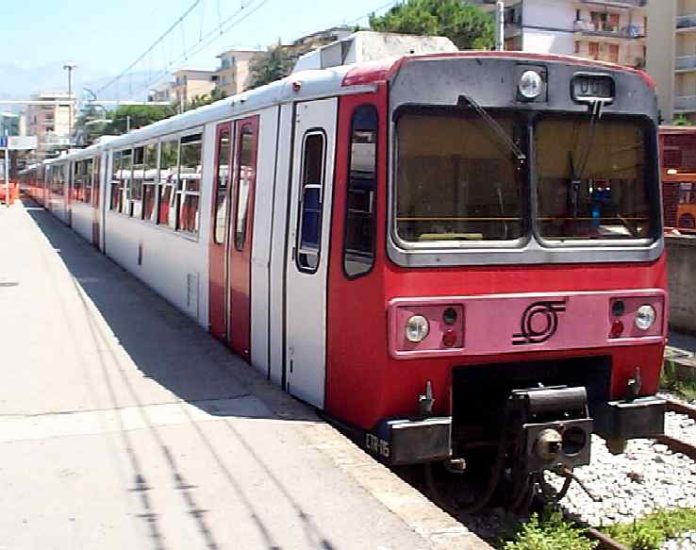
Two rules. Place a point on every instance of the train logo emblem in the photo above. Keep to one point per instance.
(539, 322)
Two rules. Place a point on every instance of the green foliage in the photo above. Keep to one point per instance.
(140, 115)
(207, 99)
(274, 64)
(682, 120)
(549, 532)
(466, 25)
(651, 532)
(686, 389)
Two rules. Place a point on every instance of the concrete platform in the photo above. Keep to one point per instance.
(124, 425)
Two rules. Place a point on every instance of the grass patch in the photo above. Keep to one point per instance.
(685, 389)
(548, 532)
(651, 532)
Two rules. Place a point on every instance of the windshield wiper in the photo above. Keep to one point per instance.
(577, 169)
(496, 128)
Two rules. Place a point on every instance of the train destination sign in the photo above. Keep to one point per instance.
(588, 88)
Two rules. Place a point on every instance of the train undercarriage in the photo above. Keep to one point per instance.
(513, 423)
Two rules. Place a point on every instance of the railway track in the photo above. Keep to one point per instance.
(672, 442)
(675, 444)
(604, 540)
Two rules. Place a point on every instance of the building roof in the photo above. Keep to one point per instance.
(191, 70)
(238, 50)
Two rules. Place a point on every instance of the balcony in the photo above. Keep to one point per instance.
(685, 63)
(618, 3)
(685, 104)
(685, 22)
(609, 31)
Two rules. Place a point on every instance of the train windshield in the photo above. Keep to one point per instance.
(591, 179)
(457, 180)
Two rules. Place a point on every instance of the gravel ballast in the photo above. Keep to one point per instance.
(647, 477)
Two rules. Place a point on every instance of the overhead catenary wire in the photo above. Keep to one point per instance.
(228, 24)
(205, 39)
(359, 18)
(142, 56)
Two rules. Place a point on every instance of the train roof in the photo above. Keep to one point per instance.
(318, 83)
(298, 86)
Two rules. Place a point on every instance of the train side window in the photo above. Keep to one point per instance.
(188, 190)
(126, 175)
(149, 181)
(138, 173)
(116, 193)
(221, 183)
(311, 200)
(76, 193)
(245, 177)
(87, 183)
(359, 236)
(58, 179)
(168, 164)
(96, 164)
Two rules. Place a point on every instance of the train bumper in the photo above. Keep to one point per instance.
(640, 417)
(404, 441)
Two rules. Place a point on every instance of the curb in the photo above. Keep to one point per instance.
(439, 530)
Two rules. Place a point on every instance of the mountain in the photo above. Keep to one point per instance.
(21, 83)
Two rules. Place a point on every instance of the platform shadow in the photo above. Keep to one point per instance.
(177, 354)
(164, 344)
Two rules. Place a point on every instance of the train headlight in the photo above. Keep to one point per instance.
(530, 85)
(645, 317)
(417, 328)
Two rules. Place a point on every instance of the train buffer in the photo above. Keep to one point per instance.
(124, 425)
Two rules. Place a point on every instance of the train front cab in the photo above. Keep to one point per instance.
(500, 284)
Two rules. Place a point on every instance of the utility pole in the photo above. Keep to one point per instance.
(500, 25)
(70, 67)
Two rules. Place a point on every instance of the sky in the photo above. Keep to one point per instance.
(104, 38)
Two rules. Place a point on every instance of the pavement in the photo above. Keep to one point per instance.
(124, 425)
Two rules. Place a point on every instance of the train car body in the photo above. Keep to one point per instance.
(678, 170)
(443, 252)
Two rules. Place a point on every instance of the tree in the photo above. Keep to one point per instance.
(466, 25)
(274, 64)
(205, 99)
(134, 116)
(682, 120)
(89, 125)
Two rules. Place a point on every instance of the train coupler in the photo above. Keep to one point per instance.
(551, 427)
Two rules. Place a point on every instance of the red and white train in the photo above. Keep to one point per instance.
(457, 256)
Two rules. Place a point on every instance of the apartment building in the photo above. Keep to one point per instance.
(10, 124)
(191, 83)
(672, 57)
(233, 73)
(50, 123)
(161, 92)
(606, 30)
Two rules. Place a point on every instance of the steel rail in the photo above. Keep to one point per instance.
(604, 540)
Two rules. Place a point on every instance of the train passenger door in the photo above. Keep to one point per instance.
(96, 182)
(69, 189)
(308, 246)
(240, 236)
(217, 289)
(231, 234)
